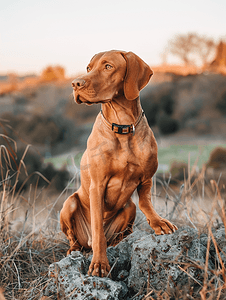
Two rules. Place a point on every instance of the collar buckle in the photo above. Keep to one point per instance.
(122, 129)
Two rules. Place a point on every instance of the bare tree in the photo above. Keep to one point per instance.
(204, 48)
(191, 46)
(183, 46)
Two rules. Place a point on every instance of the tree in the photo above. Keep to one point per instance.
(191, 47)
(204, 48)
(53, 73)
(183, 46)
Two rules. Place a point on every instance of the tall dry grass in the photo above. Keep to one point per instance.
(30, 235)
(30, 245)
(199, 204)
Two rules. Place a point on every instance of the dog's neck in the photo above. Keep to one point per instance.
(122, 111)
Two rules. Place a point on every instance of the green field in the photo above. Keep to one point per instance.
(185, 153)
(166, 156)
(68, 159)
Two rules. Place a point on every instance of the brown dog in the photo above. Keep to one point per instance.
(121, 156)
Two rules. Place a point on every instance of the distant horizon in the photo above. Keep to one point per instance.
(175, 61)
(179, 64)
(48, 32)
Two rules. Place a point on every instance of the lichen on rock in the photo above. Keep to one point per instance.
(141, 263)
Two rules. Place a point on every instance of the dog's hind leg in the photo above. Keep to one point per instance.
(74, 225)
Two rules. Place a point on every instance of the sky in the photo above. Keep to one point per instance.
(36, 34)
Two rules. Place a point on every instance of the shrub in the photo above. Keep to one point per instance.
(32, 172)
(179, 170)
(151, 110)
(221, 104)
(157, 101)
(217, 159)
(58, 178)
(20, 99)
(45, 130)
(166, 124)
(42, 129)
(167, 104)
(52, 73)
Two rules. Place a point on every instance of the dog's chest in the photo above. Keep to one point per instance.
(124, 172)
(123, 180)
(124, 157)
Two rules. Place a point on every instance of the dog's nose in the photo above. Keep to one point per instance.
(77, 83)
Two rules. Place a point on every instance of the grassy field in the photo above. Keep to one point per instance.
(166, 155)
(184, 153)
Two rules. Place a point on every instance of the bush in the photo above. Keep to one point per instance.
(217, 159)
(151, 110)
(166, 124)
(221, 104)
(52, 73)
(32, 171)
(158, 101)
(58, 178)
(42, 129)
(167, 104)
(179, 170)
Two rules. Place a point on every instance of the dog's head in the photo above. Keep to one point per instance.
(112, 74)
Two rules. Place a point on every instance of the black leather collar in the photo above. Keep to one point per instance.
(122, 129)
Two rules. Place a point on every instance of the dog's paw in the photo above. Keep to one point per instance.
(162, 226)
(99, 267)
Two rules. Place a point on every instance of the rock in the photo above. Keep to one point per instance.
(71, 282)
(161, 260)
(141, 263)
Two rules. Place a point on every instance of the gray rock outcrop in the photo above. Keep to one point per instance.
(142, 264)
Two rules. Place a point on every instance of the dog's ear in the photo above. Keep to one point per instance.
(138, 73)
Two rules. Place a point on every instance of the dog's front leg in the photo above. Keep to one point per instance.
(99, 265)
(160, 225)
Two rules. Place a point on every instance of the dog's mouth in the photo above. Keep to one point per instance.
(79, 99)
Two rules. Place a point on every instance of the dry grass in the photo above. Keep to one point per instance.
(200, 205)
(30, 236)
(28, 248)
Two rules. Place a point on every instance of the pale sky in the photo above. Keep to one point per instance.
(35, 34)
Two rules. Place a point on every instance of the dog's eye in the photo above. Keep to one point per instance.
(88, 69)
(108, 67)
